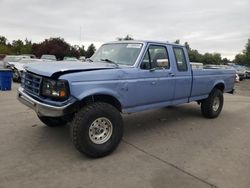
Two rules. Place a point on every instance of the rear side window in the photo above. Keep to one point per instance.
(180, 59)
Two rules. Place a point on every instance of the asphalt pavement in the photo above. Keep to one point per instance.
(169, 147)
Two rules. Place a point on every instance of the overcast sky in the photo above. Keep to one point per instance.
(209, 26)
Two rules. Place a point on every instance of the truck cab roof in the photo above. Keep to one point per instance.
(146, 42)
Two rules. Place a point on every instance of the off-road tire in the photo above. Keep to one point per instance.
(80, 128)
(207, 104)
(52, 121)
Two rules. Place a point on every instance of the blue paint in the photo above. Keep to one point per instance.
(137, 89)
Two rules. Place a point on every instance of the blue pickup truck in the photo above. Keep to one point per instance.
(121, 77)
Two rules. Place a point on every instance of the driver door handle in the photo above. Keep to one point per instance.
(171, 74)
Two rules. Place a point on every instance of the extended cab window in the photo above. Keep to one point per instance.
(180, 59)
(155, 57)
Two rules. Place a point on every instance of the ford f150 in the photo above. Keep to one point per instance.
(121, 77)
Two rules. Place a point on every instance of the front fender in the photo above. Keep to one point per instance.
(97, 91)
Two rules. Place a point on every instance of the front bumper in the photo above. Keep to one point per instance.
(44, 109)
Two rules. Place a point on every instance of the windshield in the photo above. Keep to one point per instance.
(24, 61)
(49, 57)
(119, 53)
(69, 59)
(12, 59)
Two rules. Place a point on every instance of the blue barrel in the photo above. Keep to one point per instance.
(5, 79)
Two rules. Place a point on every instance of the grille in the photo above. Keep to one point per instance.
(31, 83)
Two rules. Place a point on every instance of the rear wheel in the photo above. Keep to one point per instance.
(52, 121)
(212, 106)
(97, 129)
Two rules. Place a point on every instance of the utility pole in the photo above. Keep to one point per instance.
(80, 39)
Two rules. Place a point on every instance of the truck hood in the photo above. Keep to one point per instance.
(63, 67)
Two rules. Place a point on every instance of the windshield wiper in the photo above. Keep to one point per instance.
(90, 60)
(110, 61)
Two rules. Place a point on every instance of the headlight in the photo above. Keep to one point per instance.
(55, 88)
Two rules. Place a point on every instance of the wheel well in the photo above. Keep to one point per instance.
(102, 98)
(220, 86)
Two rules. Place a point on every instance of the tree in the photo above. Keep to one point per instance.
(3, 40)
(82, 51)
(186, 45)
(17, 45)
(194, 56)
(53, 46)
(177, 41)
(90, 51)
(127, 37)
(225, 61)
(240, 59)
(74, 51)
(244, 57)
(207, 58)
(212, 58)
(4, 49)
(27, 47)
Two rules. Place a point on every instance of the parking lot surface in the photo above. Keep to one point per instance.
(169, 147)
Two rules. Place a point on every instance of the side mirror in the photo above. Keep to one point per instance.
(162, 63)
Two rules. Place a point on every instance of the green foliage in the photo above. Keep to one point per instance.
(244, 57)
(60, 48)
(177, 41)
(225, 61)
(207, 58)
(82, 51)
(4, 49)
(3, 40)
(54, 46)
(90, 51)
(212, 58)
(127, 37)
(195, 56)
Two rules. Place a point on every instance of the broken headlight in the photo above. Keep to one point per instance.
(58, 89)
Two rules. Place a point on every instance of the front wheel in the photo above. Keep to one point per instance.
(97, 129)
(16, 76)
(212, 106)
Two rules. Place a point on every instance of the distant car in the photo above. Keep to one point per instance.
(2, 56)
(49, 57)
(18, 67)
(10, 58)
(196, 65)
(241, 71)
(32, 56)
(70, 59)
(13, 58)
(237, 78)
(247, 72)
(82, 58)
(1, 60)
(212, 66)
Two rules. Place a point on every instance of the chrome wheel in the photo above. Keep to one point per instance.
(100, 130)
(216, 104)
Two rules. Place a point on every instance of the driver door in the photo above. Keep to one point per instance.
(156, 81)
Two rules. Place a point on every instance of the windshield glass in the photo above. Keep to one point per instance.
(24, 61)
(12, 59)
(49, 57)
(120, 53)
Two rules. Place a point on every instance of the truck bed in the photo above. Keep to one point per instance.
(211, 77)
